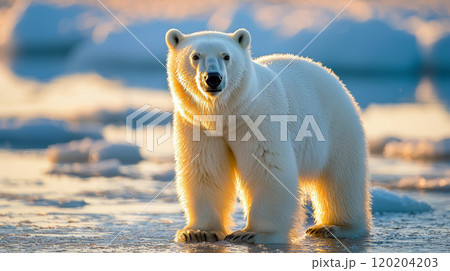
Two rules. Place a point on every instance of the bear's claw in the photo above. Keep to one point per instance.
(321, 231)
(241, 237)
(194, 236)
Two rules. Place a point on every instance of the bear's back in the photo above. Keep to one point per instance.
(306, 80)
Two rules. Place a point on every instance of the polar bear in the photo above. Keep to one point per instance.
(213, 74)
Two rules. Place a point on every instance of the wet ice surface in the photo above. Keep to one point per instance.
(58, 213)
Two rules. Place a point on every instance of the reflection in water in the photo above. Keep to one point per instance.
(426, 92)
(330, 245)
(307, 244)
(428, 118)
(204, 248)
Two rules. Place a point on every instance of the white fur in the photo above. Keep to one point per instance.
(333, 172)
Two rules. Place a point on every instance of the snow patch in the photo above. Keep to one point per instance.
(384, 200)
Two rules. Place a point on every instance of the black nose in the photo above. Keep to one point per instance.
(213, 79)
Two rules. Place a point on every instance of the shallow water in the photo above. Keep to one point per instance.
(48, 213)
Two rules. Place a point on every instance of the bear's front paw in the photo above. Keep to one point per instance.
(326, 231)
(194, 236)
(241, 237)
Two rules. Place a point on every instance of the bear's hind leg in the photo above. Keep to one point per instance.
(341, 202)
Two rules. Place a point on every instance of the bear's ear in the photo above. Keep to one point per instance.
(173, 38)
(242, 37)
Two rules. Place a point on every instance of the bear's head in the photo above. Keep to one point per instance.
(207, 67)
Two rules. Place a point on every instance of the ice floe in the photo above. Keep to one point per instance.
(107, 168)
(93, 151)
(376, 146)
(422, 149)
(385, 201)
(88, 158)
(63, 203)
(418, 149)
(41, 132)
(420, 183)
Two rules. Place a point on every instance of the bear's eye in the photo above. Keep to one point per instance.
(195, 57)
(226, 57)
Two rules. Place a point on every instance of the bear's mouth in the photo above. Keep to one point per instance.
(213, 90)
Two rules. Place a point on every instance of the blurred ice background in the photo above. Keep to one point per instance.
(70, 74)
